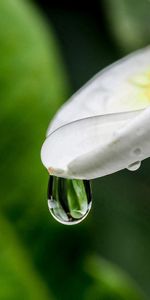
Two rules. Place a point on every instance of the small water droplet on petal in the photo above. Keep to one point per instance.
(69, 200)
(134, 166)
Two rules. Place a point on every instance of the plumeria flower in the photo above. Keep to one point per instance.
(105, 126)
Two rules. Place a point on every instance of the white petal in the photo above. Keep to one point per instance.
(131, 144)
(95, 146)
(105, 127)
(117, 88)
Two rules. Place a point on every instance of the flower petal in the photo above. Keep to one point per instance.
(91, 147)
(105, 127)
(118, 88)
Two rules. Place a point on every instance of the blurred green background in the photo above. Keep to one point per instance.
(47, 51)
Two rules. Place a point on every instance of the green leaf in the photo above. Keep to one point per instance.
(32, 86)
(110, 282)
(18, 278)
(77, 198)
(129, 22)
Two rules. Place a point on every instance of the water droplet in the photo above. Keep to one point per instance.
(69, 200)
(134, 166)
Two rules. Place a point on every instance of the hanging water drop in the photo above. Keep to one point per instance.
(69, 200)
(134, 166)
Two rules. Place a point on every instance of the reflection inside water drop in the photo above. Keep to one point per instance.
(69, 200)
(134, 166)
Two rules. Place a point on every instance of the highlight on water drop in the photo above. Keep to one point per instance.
(69, 200)
(134, 166)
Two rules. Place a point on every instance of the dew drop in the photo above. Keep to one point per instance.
(69, 200)
(134, 166)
